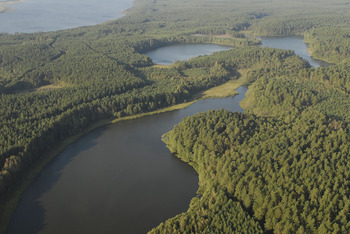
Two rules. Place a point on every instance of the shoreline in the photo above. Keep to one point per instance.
(319, 59)
(9, 205)
(5, 6)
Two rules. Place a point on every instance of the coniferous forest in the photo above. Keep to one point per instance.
(281, 167)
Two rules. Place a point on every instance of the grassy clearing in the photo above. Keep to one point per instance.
(161, 66)
(48, 87)
(224, 90)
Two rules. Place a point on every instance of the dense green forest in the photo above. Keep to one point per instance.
(331, 44)
(289, 174)
(282, 167)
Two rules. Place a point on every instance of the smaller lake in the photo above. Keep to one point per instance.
(295, 43)
(169, 54)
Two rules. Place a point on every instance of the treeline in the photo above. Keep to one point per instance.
(324, 90)
(288, 175)
(331, 44)
(77, 61)
(254, 58)
(298, 24)
(29, 61)
(337, 76)
(214, 212)
(34, 122)
(99, 72)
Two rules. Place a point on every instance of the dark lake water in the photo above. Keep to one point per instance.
(295, 43)
(117, 179)
(120, 178)
(169, 54)
(50, 15)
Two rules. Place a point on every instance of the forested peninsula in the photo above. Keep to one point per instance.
(281, 167)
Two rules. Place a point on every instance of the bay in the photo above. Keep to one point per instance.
(295, 43)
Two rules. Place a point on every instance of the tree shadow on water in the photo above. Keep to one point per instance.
(29, 216)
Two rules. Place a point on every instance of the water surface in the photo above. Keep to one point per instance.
(295, 43)
(50, 15)
(117, 179)
(120, 178)
(169, 54)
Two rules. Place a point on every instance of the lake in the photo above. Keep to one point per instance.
(117, 179)
(295, 43)
(50, 15)
(167, 55)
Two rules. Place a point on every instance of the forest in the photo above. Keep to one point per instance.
(264, 168)
(280, 167)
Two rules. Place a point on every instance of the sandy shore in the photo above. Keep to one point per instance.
(5, 6)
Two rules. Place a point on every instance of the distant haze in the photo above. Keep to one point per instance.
(51, 15)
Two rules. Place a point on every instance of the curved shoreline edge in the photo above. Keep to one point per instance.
(7, 7)
(10, 205)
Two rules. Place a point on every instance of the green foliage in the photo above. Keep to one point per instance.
(256, 174)
(322, 90)
(287, 175)
(331, 43)
(35, 121)
(214, 212)
(298, 24)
